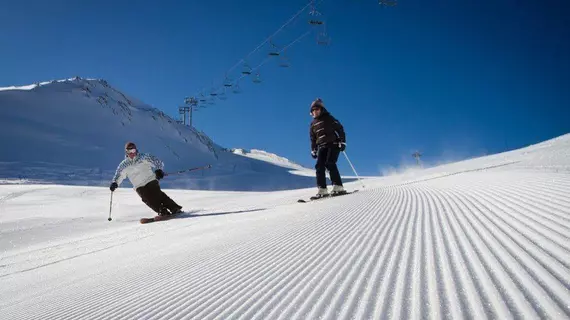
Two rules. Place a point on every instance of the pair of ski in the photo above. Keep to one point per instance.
(330, 195)
(161, 218)
(313, 198)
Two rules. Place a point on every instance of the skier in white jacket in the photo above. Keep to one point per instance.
(138, 168)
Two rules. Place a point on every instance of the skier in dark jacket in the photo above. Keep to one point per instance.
(327, 141)
(138, 167)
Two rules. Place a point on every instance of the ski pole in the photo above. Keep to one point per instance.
(353, 169)
(110, 206)
(188, 170)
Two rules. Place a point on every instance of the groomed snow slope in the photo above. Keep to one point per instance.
(484, 238)
(73, 132)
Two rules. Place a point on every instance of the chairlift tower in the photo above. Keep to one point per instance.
(186, 110)
(417, 155)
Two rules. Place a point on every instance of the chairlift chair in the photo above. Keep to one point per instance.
(388, 3)
(237, 89)
(246, 69)
(284, 63)
(323, 39)
(274, 50)
(314, 14)
(223, 95)
(227, 82)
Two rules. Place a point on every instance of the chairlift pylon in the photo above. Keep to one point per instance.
(192, 101)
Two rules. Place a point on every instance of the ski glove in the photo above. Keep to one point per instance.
(113, 186)
(159, 174)
(342, 146)
(314, 154)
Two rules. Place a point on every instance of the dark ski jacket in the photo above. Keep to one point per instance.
(326, 130)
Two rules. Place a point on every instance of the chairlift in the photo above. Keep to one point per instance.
(314, 13)
(388, 3)
(223, 95)
(284, 61)
(246, 69)
(274, 50)
(323, 39)
(227, 82)
(257, 79)
(237, 89)
(213, 93)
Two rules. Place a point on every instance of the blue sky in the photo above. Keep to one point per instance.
(452, 79)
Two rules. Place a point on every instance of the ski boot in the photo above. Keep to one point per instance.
(322, 193)
(163, 214)
(338, 190)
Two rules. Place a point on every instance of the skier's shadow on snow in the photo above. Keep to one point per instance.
(193, 214)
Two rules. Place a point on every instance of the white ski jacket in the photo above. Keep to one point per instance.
(139, 170)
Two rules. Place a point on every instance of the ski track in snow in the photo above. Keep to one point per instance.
(471, 246)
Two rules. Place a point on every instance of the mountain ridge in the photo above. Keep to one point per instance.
(82, 125)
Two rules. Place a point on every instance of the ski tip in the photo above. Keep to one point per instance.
(146, 220)
(326, 197)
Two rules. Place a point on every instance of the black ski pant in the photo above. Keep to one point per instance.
(327, 156)
(156, 199)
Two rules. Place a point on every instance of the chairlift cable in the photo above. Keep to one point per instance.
(271, 36)
(283, 49)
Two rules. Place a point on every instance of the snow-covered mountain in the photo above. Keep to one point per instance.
(269, 157)
(73, 131)
(487, 238)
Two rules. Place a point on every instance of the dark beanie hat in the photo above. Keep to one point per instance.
(317, 103)
(130, 145)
